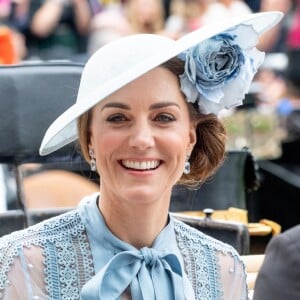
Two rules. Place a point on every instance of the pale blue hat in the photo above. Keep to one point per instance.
(122, 61)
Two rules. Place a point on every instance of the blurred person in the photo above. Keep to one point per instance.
(15, 18)
(19, 16)
(106, 26)
(145, 16)
(278, 277)
(192, 14)
(275, 39)
(19, 45)
(279, 90)
(58, 29)
(271, 82)
(288, 107)
(253, 4)
(5, 8)
(146, 118)
(293, 34)
(235, 7)
(188, 15)
(175, 25)
(167, 7)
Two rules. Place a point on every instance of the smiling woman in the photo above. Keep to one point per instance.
(146, 118)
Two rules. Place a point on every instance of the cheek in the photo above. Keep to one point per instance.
(177, 142)
(106, 143)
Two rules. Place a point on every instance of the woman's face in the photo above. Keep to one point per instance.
(141, 136)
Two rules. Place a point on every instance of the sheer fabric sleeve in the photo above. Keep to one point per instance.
(25, 277)
(233, 277)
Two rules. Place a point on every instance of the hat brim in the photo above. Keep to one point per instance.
(63, 130)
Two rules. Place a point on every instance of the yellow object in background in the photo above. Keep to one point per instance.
(262, 228)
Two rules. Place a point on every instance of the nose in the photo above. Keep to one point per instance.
(141, 136)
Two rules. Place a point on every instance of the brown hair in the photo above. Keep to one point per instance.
(83, 129)
(209, 151)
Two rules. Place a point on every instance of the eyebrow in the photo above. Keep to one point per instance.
(126, 107)
(163, 104)
(116, 105)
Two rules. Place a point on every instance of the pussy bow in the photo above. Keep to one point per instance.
(150, 274)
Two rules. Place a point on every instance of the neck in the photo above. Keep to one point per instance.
(136, 224)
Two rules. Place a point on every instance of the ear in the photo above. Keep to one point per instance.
(192, 138)
(90, 137)
(90, 140)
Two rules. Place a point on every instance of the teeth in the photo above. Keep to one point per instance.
(140, 165)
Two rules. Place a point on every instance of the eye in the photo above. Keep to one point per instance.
(165, 118)
(116, 118)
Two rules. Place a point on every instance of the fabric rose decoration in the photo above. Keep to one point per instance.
(218, 71)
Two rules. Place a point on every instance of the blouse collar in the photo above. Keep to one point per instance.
(105, 245)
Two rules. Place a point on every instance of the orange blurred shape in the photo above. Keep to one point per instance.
(7, 52)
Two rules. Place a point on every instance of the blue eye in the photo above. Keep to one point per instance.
(116, 118)
(165, 118)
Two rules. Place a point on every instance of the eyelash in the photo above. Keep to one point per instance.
(165, 118)
(161, 117)
(116, 118)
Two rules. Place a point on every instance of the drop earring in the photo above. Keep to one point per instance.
(187, 166)
(92, 161)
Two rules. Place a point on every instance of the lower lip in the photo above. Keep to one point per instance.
(140, 173)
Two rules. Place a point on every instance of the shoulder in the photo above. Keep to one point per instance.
(286, 245)
(50, 230)
(291, 235)
(282, 258)
(192, 236)
(53, 230)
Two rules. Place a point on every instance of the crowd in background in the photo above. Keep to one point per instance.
(73, 29)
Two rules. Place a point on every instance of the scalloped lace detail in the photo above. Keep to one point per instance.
(68, 258)
(201, 262)
(69, 263)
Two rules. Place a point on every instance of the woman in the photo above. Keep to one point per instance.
(143, 114)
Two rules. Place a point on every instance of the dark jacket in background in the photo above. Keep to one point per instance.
(279, 276)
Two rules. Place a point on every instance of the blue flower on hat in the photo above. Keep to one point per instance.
(218, 71)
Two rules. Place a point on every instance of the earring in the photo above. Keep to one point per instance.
(92, 161)
(187, 166)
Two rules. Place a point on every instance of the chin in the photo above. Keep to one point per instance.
(142, 196)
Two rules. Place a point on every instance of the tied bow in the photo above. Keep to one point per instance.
(151, 275)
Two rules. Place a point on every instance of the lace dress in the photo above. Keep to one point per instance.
(57, 258)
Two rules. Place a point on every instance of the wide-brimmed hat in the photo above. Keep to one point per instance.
(124, 60)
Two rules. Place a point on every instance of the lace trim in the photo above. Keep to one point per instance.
(201, 262)
(68, 258)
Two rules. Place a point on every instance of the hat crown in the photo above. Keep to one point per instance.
(124, 60)
(110, 69)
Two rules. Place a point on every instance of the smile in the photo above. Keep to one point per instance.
(140, 165)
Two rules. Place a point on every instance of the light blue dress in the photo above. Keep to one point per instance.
(75, 256)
